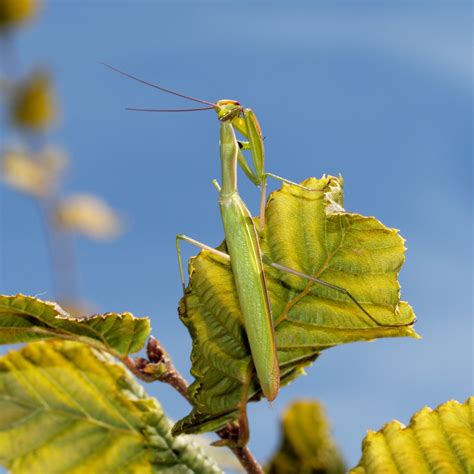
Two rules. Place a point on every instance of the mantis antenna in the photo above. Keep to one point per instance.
(156, 86)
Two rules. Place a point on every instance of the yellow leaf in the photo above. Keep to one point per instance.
(306, 444)
(66, 408)
(89, 215)
(440, 440)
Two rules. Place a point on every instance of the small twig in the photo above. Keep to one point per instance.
(175, 379)
(249, 463)
(8, 55)
(243, 454)
(157, 355)
(61, 252)
(133, 366)
(159, 367)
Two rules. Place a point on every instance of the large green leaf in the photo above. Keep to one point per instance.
(440, 440)
(306, 444)
(310, 232)
(65, 407)
(24, 319)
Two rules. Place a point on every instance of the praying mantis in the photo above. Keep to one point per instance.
(242, 235)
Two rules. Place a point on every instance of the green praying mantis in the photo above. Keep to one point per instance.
(242, 236)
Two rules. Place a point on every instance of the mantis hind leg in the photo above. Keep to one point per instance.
(336, 288)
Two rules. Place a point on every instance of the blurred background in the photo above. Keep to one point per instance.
(380, 92)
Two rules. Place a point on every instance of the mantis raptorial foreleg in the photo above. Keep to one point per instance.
(258, 176)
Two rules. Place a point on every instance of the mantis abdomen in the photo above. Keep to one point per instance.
(247, 268)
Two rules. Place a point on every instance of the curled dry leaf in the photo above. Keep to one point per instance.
(33, 105)
(15, 12)
(89, 215)
(33, 174)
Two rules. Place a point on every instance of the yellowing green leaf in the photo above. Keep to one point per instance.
(15, 12)
(306, 446)
(35, 174)
(65, 407)
(33, 104)
(225, 458)
(89, 215)
(440, 440)
(24, 319)
(310, 232)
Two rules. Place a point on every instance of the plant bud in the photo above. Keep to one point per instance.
(155, 352)
(34, 106)
(15, 12)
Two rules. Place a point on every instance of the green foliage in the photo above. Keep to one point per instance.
(25, 319)
(308, 231)
(65, 407)
(306, 446)
(440, 440)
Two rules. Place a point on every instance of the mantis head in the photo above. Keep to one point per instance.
(228, 109)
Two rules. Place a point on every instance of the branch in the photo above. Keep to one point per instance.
(159, 367)
(249, 463)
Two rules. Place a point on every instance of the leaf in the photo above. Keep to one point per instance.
(25, 318)
(15, 12)
(310, 232)
(440, 440)
(35, 174)
(33, 104)
(225, 458)
(65, 407)
(88, 215)
(306, 445)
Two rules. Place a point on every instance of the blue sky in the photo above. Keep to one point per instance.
(380, 92)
